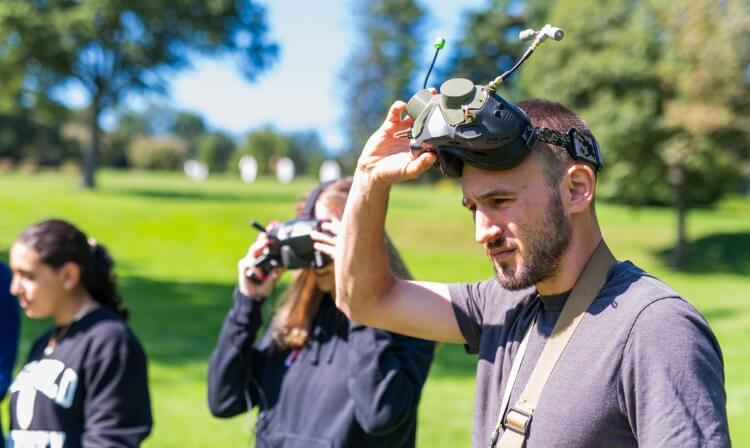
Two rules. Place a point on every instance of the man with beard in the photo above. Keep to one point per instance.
(643, 368)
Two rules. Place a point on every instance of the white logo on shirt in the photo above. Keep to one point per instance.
(48, 377)
(35, 439)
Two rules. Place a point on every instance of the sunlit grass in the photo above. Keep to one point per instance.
(177, 242)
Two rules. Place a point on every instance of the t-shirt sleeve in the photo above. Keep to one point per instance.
(672, 379)
(468, 305)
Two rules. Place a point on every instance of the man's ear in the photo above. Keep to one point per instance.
(580, 185)
(71, 275)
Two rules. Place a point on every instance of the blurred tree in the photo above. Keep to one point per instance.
(134, 123)
(663, 86)
(490, 43)
(115, 48)
(191, 127)
(266, 145)
(157, 153)
(702, 71)
(215, 149)
(35, 137)
(154, 120)
(307, 152)
(382, 66)
(129, 125)
(30, 123)
(188, 126)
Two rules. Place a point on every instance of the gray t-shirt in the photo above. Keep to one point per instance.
(642, 369)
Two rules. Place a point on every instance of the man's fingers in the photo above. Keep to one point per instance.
(396, 120)
(396, 111)
(422, 163)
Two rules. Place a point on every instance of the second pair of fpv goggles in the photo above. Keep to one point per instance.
(467, 123)
(290, 244)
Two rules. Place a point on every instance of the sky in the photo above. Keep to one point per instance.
(302, 90)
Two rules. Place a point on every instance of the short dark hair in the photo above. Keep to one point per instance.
(548, 114)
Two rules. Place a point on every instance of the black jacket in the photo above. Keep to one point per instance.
(9, 333)
(350, 386)
(92, 391)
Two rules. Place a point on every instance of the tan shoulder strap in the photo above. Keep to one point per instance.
(587, 287)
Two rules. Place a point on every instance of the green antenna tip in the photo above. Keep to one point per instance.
(439, 43)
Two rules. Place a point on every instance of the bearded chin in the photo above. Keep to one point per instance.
(510, 279)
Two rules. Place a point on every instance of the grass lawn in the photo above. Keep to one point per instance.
(177, 242)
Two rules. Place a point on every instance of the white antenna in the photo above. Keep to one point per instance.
(547, 31)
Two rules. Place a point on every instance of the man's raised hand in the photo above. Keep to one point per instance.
(386, 157)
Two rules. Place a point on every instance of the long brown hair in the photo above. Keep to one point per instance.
(299, 302)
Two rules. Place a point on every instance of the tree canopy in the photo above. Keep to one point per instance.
(664, 86)
(112, 49)
(489, 42)
(383, 63)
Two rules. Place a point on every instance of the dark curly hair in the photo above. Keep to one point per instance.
(58, 242)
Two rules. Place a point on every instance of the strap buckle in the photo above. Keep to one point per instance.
(584, 147)
(530, 136)
(518, 420)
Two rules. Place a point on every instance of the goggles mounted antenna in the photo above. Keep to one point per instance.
(547, 31)
(439, 44)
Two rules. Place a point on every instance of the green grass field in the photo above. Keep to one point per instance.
(177, 243)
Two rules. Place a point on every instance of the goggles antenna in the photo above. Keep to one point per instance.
(547, 31)
(439, 44)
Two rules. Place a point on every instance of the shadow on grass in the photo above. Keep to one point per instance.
(715, 314)
(717, 253)
(451, 360)
(179, 323)
(182, 195)
(175, 322)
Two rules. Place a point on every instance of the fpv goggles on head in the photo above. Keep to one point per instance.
(467, 123)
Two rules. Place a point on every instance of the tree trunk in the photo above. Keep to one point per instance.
(680, 253)
(92, 155)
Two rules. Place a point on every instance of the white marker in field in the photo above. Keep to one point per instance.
(285, 170)
(195, 170)
(248, 169)
(329, 170)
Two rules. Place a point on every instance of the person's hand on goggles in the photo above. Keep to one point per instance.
(386, 156)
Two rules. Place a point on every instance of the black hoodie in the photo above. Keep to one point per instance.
(350, 386)
(91, 391)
